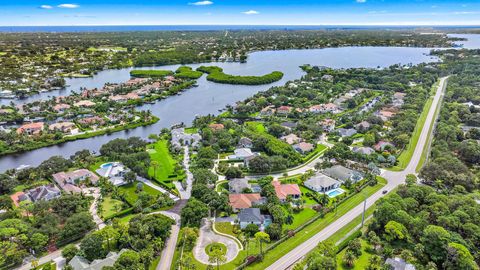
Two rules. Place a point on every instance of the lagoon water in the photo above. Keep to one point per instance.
(209, 97)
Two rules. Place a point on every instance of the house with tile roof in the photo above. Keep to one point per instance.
(43, 193)
(31, 128)
(80, 263)
(303, 147)
(290, 138)
(343, 174)
(246, 200)
(70, 181)
(283, 191)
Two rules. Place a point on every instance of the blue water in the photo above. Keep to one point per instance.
(130, 28)
(334, 193)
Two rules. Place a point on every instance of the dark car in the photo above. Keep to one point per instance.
(385, 191)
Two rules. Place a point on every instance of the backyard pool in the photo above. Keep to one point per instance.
(334, 193)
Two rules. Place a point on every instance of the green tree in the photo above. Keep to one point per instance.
(349, 258)
(69, 252)
(262, 237)
(459, 257)
(395, 231)
(92, 247)
(435, 239)
(128, 260)
(217, 256)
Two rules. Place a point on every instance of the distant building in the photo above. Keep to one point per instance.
(242, 154)
(42, 193)
(346, 132)
(84, 103)
(61, 107)
(69, 181)
(283, 191)
(328, 125)
(64, 127)
(343, 174)
(381, 145)
(290, 138)
(114, 171)
(267, 111)
(31, 128)
(252, 216)
(399, 264)
(322, 183)
(363, 150)
(242, 201)
(80, 263)
(364, 125)
(238, 185)
(303, 147)
(180, 138)
(245, 143)
(284, 110)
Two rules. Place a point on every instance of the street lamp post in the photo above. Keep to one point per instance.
(364, 208)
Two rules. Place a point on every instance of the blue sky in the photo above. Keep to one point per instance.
(245, 12)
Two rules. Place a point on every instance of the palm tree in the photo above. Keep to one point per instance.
(262, 237)
(154, 165)
(349, 258)
(217, 256)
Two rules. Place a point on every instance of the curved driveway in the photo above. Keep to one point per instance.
(207, 236)
(394, 179)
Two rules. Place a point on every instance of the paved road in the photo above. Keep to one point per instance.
(185, 193)
(394, 179)
(166, 258)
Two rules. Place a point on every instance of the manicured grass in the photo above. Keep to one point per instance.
(283, 248)
(130, 194)
(258, 126)
(225, 227)
(110, 206)
(308, 200)
(215, 245)
(300, 218)
(191, 130)
(165, 170)
(360, 263)
(320, 148)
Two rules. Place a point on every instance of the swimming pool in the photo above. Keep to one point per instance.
(334, 193)
(106, 165)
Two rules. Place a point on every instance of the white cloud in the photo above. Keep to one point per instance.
(361, 1)
(251, 12)
(201, 3)
(46, 7)
(68, 6)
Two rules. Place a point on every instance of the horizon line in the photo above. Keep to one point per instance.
(339, 24)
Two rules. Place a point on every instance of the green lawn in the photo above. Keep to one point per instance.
(300, 218)
(110, 206)
(164, 171)
(315, 227)
(132, 196)
(225, 227)
(320, 148)
(308, 200)
(191, 130)
(360, 263)
(258, 126)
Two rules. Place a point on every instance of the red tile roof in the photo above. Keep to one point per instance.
(241, 201)
(286, 189)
